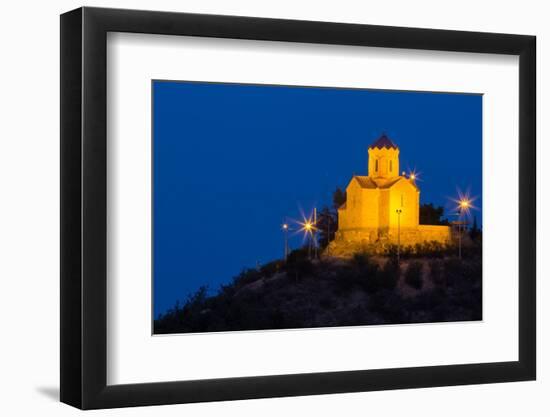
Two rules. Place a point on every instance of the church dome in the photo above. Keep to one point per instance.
(383, 142)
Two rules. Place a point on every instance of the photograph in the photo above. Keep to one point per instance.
(282, 208)
(294, 207)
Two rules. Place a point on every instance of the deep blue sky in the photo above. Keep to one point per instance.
(232, 160)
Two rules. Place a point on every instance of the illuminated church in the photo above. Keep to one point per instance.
(383, 206)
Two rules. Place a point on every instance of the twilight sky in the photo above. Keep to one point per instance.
(231, 161)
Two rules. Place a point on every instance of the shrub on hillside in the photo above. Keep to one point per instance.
(246, 277)
(437, 273)
(389, 306)
(298, 264)
(463, 272)
(430, 249)
(360, 273)
(391, 250)
(364, 266)
(271, 268)
(367, 273)
(346, 279)
(188, 317)
(388, 276)
(413, 275)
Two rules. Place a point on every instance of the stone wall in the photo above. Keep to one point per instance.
(365, 235)
(375, 240)
(340, 248)
(403, 196)
(407, 236)
(438, 233)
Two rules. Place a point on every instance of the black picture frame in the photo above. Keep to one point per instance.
(84, 207)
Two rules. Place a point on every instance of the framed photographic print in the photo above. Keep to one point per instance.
(258, 208)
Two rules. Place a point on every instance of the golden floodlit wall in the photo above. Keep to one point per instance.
(435, 233)
(404, 196)
(361, 208)
(383, 163)
(370, 214)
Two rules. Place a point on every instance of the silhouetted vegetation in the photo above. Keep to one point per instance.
(431, 249)
(413, 276)
(338, 198)
(475, 232)
(299, 264)
(327, 224)
(429, 214)
(367, 289)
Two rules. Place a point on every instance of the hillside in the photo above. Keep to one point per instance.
(363, 290)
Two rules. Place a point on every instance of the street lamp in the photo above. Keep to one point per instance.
(314, 234)
(309, 227)
(398, 211)
(464, 205)
(414, 175)
(285, 231)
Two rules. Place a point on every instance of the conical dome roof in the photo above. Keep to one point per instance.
(383, 142)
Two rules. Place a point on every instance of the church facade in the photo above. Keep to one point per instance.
(384, 206)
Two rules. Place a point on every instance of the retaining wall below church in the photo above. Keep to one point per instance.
(408, 236)
(438, 233)
(350, 241)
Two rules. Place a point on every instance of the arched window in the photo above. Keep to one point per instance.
(376, 165)
(391, 166)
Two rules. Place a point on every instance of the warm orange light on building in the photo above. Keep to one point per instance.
(383, 206)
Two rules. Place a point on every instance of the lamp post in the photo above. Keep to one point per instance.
(398, 211)
(328, 220)
(463, 206)
(308, 228)
(285, 231)
(459, 240)
(314, 234)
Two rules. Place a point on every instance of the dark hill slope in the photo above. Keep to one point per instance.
(330, 292)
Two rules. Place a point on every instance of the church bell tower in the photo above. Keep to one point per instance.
(383, 159)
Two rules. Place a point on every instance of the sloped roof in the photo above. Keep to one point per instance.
(389, 183)
(383, 142)
(365, 181)
(381, 183)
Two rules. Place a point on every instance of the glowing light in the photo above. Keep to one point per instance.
(414, 175)
(307, 225)
(285, 226)
(464, 203)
